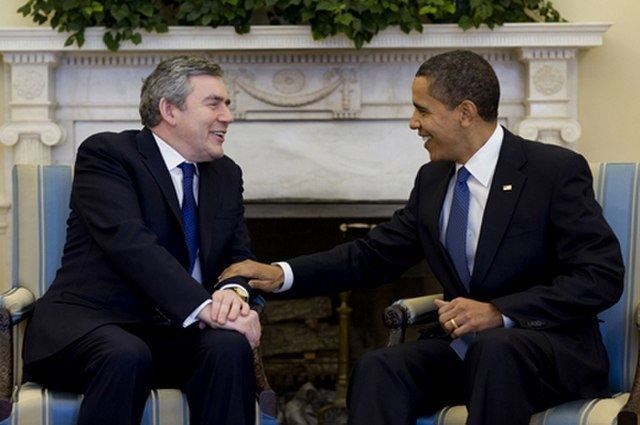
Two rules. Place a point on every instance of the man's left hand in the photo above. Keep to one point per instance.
(461, 316)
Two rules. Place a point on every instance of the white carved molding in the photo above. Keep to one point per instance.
(31, 127)
(551, 87)
(288, 37)
(558, 131)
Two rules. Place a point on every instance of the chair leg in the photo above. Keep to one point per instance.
(6, 364)
(266, 396)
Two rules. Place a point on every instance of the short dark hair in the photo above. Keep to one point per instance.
(461, 75)
(170, 80)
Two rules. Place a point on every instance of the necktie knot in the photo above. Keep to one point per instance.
(463, 175)
(188, 170)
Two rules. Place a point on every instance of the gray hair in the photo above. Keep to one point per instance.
(463, 75)
(170, 80)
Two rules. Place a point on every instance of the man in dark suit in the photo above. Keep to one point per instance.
(156, 215)
(513, 233)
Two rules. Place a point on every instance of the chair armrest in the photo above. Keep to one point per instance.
(630, 412)
(19, 302)
(409, 311)
(15, 305)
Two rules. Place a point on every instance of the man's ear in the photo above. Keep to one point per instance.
(167, 111)
(468, 113)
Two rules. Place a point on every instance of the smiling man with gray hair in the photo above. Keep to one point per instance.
(156, 215)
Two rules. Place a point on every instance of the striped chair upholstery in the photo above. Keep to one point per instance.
(40, 210)
(616, 189)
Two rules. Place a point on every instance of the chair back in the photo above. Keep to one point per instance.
(40, 210)
(616, 188)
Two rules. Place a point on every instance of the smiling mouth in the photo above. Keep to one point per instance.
(220, 134)
(426, 139)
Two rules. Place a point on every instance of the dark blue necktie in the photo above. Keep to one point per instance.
(189, 212)
(456, 237)
(456, 242)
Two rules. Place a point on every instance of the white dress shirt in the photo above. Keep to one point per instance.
(172, 160)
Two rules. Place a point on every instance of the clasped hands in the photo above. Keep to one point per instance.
(228, 311)
(462, 316)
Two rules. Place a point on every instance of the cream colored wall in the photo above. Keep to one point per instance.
(609, 80)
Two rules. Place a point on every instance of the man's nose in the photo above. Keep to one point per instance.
(226, 116)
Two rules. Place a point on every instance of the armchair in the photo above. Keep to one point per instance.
(40, 210)
(616, 189)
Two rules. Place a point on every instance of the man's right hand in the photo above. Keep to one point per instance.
(265, 277)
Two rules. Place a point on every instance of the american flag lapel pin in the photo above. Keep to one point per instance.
(507, 187)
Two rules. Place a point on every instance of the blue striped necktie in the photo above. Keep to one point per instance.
(456, 243)
(189, 212)
(456, 237)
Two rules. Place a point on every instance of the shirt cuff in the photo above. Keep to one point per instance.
(508, 322)
(288, 276)
(193, 317)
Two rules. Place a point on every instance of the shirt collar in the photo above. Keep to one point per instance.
(483, 163)
(171, 157)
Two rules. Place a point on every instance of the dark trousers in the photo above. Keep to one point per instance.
(115, 368)
(507, 375)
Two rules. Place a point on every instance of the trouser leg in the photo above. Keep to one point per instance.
(215, 369)
(509, 375)
(394, 385)
(110, 366)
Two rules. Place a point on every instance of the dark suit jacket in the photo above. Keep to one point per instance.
(125, 259)
(546, 257)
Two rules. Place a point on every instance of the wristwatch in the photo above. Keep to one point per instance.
(242, 293)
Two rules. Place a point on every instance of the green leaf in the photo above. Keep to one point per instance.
(427, 10)
(344, 19)
(25, 9)
(111, 42)
(69, 4)
(146, 10)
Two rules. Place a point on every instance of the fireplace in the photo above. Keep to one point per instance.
(302, 341)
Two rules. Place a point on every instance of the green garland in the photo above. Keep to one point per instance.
(359, 20)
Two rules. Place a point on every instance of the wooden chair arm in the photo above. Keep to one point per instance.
(409, 311)
(15, 306)
(267, 399)
(630, 412)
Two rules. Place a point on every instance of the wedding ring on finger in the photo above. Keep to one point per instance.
(454, 324)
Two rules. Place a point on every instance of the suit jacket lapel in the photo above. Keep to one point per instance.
(435, 198)
(208, 198)
(155, 164)
(505, 190)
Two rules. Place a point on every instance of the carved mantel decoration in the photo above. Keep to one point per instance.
(314, 119)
